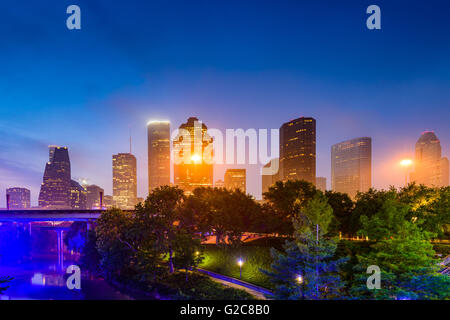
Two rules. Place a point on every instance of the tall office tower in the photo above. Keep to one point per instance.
(298, 150)
(272, 176)
(321, 183)
(19, 198)
(236, 179)
(219, 184)
(55, 188)
(193, 156)
(78, 196)
(351, 166)
(430, 168)
(124, 180)
(94, 194)
(158, 133)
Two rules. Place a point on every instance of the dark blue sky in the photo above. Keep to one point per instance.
(233, 64)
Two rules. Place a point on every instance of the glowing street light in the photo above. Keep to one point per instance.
(299, 279)
(406, 163)
(240, 263)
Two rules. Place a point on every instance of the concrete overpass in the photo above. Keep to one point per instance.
(49, 215)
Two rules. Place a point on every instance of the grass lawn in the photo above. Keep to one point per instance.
(255, 254)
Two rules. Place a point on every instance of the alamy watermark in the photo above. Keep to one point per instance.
(74, 280)
(374, 281)
(211, 146)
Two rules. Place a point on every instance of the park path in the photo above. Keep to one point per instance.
(256, 291)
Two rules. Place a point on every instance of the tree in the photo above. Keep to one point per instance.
(368, 204)
(287, 196)
(188, 251)
(158, 216)
(226, 214)
(307, 269)
(342, 211)
(75, 238)
(3, 282)
(403, 253)
(90, 257)
(117, 243)
(429, 207)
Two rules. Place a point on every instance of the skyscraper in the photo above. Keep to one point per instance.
(19, 198)
(158, 133)
(321, 183)
(431, 169)
(78, 196)
(267, 180)
(55, 188)
(124, 180)
(94, 197)
(351, 166)
(298, 150)
(193, 156)
(236, 179)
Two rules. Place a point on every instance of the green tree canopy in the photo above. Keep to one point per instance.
(404, 254)
(308, 268)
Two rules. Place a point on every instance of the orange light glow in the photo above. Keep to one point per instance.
(196, 158)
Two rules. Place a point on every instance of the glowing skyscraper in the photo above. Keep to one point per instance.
(56, 185)
(19, 198)
(351, 166)
(298, 150)
(158, 153)
(431, 169)
(193, 156)
(78, 196)
(124, 180)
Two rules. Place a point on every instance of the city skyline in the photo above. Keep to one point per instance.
(92, 201)
(356, 83)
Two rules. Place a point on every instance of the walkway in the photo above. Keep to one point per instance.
(254, 290)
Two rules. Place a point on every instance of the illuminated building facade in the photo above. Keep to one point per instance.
(19, 198)
(298, 150)
(158, 133)
(124, 180)
(351, 166)
(267, 180)
(236, 179)
(431, 169)
(193, 156)
(108, 202)
(219, 184)
(56, 186)
(321, 183)
(78, 196)
(94, 196)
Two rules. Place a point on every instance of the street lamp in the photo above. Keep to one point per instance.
(240, 263)
(299, 280)
(406, 163)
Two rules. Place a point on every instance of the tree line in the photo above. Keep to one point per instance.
(165, 232)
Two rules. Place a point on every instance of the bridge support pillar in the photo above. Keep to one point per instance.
(60, 248)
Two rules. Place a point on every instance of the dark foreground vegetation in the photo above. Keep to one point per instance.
(155, 246)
